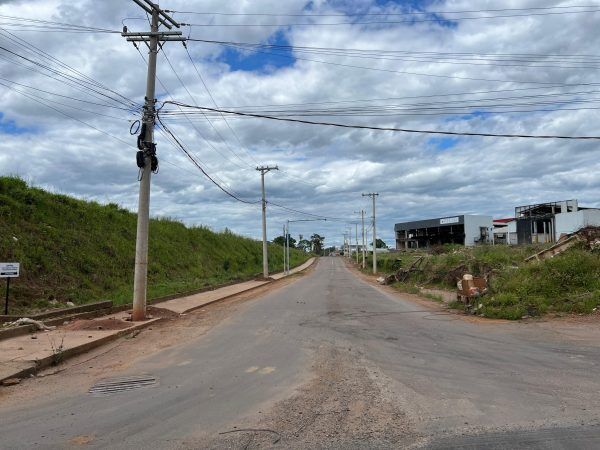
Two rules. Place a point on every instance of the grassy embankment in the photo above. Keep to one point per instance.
(569, 282)
(79, 251)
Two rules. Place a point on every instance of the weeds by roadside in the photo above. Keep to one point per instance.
(569, 283)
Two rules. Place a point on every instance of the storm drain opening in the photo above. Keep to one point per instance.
(108, 386)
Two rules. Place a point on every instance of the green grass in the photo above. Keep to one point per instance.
(79, 251)
(569, 282)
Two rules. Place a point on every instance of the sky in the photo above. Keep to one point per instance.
(540, 65)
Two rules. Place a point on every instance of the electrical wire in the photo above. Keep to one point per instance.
(254, 48)
(32, 49)
(312, 14)
(304, 213)
(410, 21)
(42, 102)
(216, 105)
(40, 25)
(207, 119)
(193, 160)
(405, 130)
(185, 115)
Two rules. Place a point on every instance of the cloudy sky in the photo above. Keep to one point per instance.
(68, 99)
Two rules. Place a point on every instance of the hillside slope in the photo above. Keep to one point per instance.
(73, 250)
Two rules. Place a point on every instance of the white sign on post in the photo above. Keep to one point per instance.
(9, 270)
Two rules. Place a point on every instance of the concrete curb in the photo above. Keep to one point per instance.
(245, 291)
(39, 364)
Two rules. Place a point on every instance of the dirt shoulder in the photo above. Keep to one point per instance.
(78, 374)
(579, 327)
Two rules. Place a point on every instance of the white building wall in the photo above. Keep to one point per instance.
(591, 217)
(567, 223)
(472, 225)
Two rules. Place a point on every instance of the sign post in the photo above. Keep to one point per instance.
(8, 271)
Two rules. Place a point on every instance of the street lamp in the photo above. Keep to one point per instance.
(286, 266)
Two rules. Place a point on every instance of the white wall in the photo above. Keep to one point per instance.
(472, 225)
(574, 221)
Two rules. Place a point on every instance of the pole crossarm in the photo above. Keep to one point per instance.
(163, 17)
(265, 169)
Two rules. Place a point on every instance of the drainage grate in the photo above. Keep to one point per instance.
(116, 385)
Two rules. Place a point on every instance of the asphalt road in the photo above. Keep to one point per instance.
(331, 361)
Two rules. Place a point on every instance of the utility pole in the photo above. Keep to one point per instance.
(146, 156)
(284, 248)
(362, 220)
(356, 240)
(263, 170)
(287, 246)
(373, 195)
(364, 250)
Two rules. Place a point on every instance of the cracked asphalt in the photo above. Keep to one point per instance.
(331, 361)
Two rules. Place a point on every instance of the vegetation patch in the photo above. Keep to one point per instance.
(80, 251)
(569, 282)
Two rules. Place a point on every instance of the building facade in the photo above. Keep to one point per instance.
(463, 229)
(547, 222)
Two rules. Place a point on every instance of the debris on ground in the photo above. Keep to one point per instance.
(402, 273)
(470, 288)
(590, 236)
(27, 321)
(11, 381)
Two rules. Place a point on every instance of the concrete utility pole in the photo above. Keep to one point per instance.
(362, 220)
(146, 157)
(263, 170)
(373, 195)
(287, 246)
(356, 240)
(284, 249)
(364, 250)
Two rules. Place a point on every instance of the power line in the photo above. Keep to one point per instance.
(60, 74)
(207, 119)
(254, 48)
(191, 123)
(15, 40)
(191, 158)
(304, 213)
(37, 100)
(396, 22)
(462, 58)
(405, 130)
(312, 14)
(66, 96)
(215, 103)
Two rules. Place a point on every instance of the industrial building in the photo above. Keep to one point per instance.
(544, 222)
(462, 229)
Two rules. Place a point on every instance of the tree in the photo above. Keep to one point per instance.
(280, 240)
(317, 243)
(381, 244)
(304, 245)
